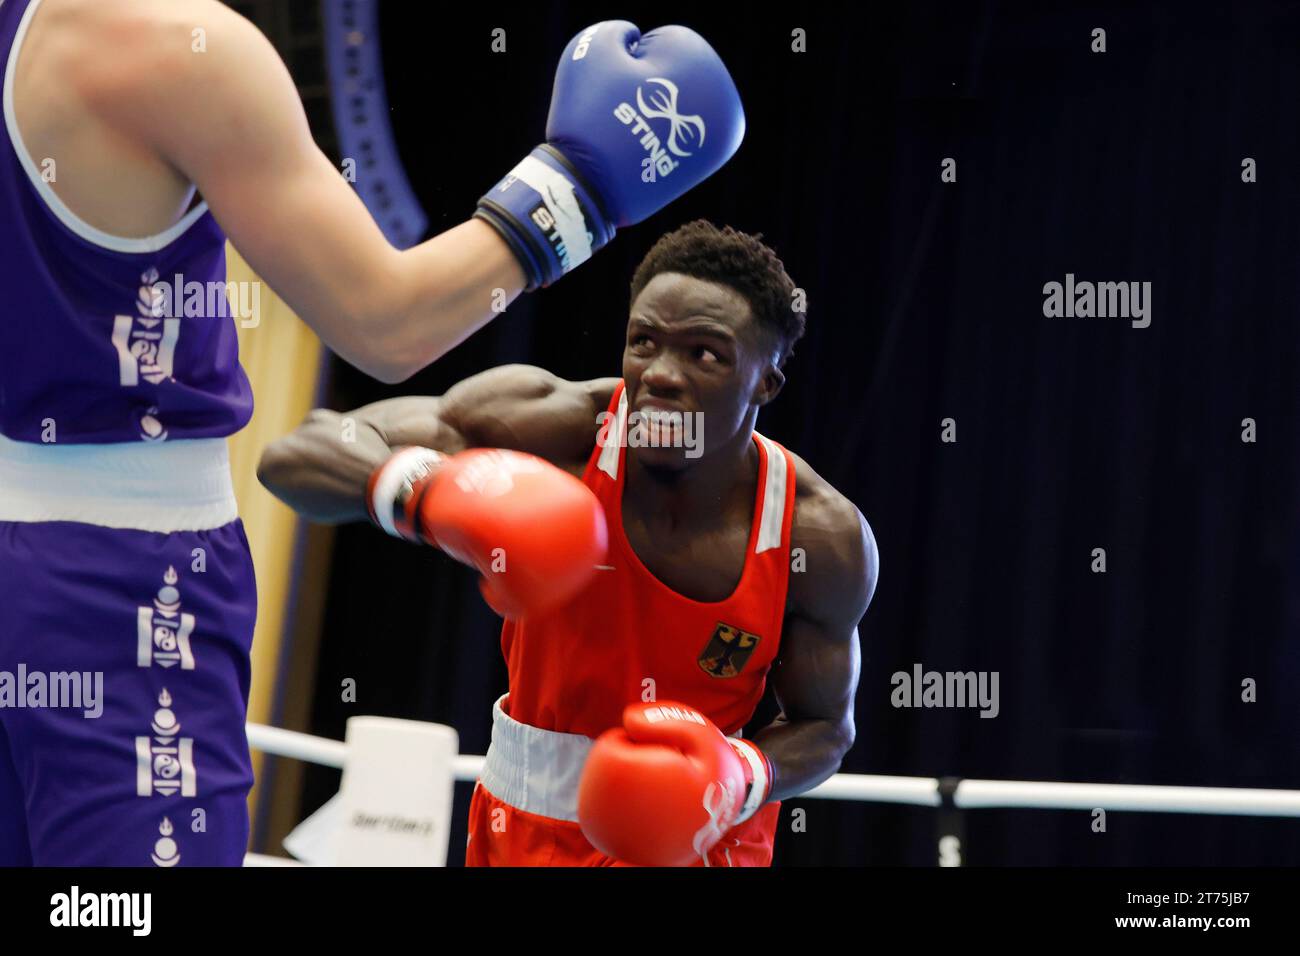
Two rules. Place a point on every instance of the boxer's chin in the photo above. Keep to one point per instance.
(661, 460)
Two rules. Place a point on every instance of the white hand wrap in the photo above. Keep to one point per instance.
(392, 485)
(757, 763)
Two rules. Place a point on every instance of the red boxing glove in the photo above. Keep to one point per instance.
(534, 532)
(664, 789)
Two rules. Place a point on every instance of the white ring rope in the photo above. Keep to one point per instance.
(291, 743)
(922, 791)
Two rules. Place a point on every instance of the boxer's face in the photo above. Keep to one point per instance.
(694, 347)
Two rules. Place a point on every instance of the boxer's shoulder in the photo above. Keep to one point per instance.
(820, 508)
(156, 71)
(101, 48)
(833, 539)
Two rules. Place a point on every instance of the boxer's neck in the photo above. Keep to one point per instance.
(701, 495)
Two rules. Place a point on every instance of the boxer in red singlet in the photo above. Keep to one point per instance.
(652, 602)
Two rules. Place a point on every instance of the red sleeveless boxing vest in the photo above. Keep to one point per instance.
(574, 670)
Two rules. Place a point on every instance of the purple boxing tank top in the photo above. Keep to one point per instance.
(105, 339)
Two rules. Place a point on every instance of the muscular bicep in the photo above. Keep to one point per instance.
(519, 407)
(817, 669)
(816, 674)
(529, 409)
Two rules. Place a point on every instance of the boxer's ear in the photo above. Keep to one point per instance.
(769, 385)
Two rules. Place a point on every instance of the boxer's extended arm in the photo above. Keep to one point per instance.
(816, 673)
(321, 468)
(229, 119)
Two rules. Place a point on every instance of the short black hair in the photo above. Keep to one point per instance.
(732, 258)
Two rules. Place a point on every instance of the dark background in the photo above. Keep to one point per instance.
(925, 302)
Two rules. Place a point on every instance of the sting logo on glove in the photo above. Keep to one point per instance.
(687, 127)
(564, 201)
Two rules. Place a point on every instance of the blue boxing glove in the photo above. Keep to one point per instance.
(635, 122)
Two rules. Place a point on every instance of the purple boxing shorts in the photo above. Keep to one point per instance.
(124, 671)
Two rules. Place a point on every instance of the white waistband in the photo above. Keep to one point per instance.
(534, 770)
(164, 486)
